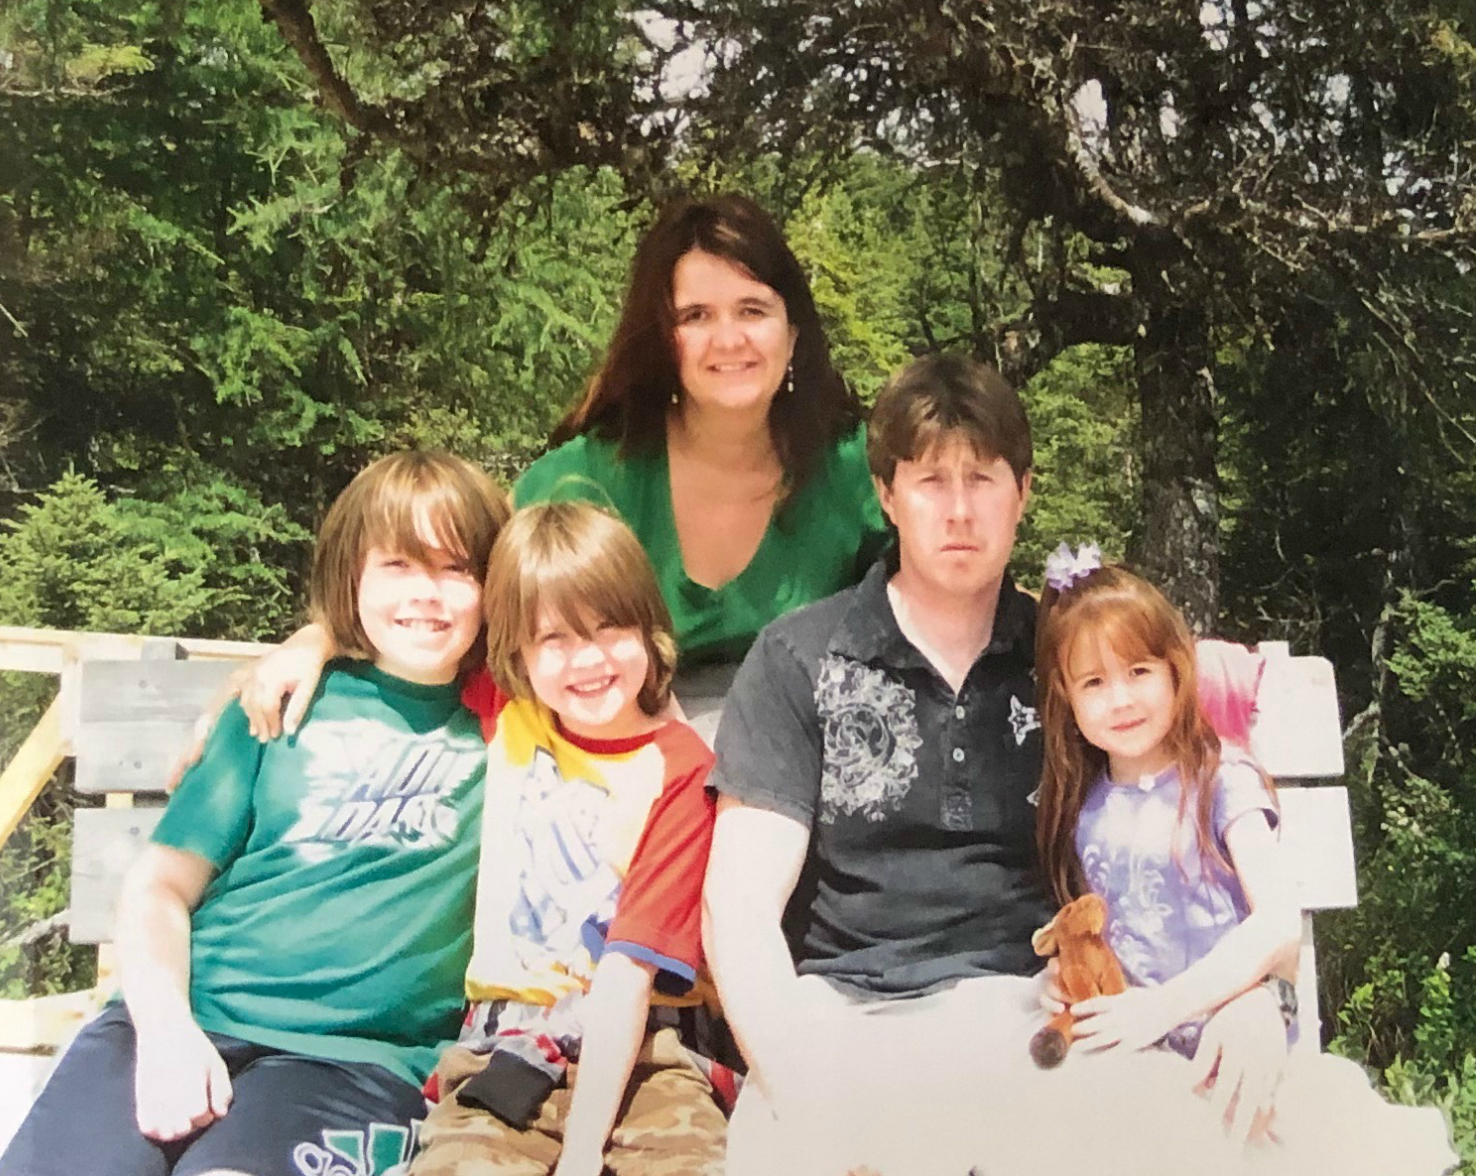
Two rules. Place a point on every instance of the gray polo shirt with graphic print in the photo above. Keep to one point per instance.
(920, 804)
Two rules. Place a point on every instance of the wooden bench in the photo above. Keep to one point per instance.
(1297, 736)
(125, 719)
(126, 707)
(130, 718)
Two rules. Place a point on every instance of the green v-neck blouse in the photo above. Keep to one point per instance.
(819, 541)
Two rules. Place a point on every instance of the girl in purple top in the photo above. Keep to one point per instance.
(1140, 803)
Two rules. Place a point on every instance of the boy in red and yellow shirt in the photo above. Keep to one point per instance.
(597, 825)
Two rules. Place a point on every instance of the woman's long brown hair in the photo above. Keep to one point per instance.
(628, 398)
(1133, 618)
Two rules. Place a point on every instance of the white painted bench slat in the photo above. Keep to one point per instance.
(1297, 733)
(1317, 833)
(1297, 737)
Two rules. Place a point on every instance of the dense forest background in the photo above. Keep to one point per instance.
(1224, 247)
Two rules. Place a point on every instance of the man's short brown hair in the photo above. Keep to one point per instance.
(573, 559)
(387, 505)
(941, 397)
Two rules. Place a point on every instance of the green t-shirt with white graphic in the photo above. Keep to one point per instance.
(339, 924)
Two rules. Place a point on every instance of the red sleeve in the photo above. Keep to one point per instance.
(480, 695)
(659, 916)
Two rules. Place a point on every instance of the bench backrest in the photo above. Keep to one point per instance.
(1297, 736)
(133, 718)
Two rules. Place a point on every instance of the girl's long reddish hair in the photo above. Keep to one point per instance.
(1133, 618)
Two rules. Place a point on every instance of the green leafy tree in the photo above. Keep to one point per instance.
(1083, 422)
(73, 562)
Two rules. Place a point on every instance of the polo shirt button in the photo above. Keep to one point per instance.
(958, 755)
(958, 712)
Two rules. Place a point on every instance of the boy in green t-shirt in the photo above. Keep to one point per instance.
(292, 944)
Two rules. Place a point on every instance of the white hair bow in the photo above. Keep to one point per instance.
(1063, 569)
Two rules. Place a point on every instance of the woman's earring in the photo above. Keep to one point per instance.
(789, 379)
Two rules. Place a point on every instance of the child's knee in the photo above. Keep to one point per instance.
(467, 1141)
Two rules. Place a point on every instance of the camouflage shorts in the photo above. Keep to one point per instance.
(668, 1124)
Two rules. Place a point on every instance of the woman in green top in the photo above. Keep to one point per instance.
(719, 430)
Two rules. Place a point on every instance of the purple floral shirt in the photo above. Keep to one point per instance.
(1163, 913)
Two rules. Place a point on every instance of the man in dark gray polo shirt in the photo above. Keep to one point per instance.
(871, 895)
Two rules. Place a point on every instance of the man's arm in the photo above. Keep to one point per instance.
(180, 1081)
(770, 761)
(756, 860)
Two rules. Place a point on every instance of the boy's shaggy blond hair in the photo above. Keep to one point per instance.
(579, 562)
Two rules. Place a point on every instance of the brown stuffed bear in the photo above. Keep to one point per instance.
(1087, 968)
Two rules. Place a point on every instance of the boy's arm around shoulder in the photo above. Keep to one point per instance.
(291, 671)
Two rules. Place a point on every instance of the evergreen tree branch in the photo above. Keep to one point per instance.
(295, 22)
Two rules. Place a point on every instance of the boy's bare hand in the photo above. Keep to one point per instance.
(180, 1084)
(290, 672)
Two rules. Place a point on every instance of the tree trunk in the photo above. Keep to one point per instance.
(1177, 544)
